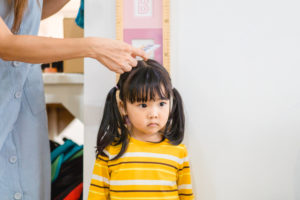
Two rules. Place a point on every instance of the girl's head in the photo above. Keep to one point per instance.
(146, 104)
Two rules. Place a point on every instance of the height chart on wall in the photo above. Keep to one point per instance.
(145, 23)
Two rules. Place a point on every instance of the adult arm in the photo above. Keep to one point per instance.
(115, 55)
(51, 7)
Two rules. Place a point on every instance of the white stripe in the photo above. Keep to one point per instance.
(143, 182)
(106, 152)
(153, 155)
(185, 159)
(184, 186)
(145, 169)
(179, 147)
(99, 165)
(150, 155)
(100, 178)
(101, 193)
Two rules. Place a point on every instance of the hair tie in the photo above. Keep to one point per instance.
(116, 87)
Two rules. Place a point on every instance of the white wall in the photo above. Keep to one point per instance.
(99, 21)
(237, 65)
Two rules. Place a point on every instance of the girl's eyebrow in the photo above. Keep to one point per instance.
(162, 98)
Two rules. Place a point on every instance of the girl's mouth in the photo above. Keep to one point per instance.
(153, 124)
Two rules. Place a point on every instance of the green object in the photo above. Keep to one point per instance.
(78, 154)
(55, 167)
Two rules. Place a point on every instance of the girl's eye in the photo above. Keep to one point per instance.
(162, 103)
(143, 105)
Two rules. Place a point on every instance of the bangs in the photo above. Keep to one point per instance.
(147, 84)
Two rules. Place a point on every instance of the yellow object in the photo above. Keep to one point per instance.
(149, 171)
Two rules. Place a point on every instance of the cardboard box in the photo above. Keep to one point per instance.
(71, 30)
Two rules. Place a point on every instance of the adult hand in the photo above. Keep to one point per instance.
(116, 55)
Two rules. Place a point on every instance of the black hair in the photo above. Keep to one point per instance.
(142, 83)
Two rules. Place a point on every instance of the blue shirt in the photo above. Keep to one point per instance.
(24, 145)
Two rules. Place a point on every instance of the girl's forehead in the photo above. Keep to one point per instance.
(156, 97)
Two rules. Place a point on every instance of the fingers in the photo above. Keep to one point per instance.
(132, 52)
(113, 66)
(139, 52)
(119, 56)
(132, 62)
(126, 67)
(117, 69)
(122, 68)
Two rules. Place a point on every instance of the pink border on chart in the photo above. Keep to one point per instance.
(152, 34)
(131, 21)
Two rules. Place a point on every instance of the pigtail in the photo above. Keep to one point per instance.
(112, 130)
(175, 126)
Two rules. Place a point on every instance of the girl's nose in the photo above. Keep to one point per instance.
(153, 113)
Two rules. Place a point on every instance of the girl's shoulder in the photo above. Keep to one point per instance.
(110, 151)
(180, 147)
(167, 147)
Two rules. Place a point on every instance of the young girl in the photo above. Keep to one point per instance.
(139, 150)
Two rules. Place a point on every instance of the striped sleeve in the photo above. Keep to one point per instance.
(99, 188)
(184, 179)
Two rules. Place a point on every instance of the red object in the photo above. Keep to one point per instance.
(75, 193)
(50, 70)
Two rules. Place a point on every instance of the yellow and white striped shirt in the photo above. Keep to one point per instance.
(146, 171)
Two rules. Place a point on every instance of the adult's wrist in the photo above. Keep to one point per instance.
(92, 49)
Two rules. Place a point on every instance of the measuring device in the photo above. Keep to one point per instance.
(165, 20)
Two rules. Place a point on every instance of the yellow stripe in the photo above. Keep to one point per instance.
(99, 165)
(143, 169)
(92, 191)
(171, 197)
(185, 174)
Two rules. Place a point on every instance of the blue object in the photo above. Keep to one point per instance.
(80, 16)
(62, 149)
(61, 154)
(72, 152)
(24, 145)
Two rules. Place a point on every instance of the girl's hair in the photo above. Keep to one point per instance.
(144, 82)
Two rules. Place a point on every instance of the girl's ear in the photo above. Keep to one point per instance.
(122, 108)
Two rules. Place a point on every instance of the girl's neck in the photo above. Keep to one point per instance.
(157, 137)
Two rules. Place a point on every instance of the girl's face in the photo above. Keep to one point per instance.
(148, 118)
